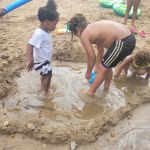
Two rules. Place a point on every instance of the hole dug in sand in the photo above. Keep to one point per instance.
(65, 114)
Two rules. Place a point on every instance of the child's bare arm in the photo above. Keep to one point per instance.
(30, 57)
(148, 74)
(124, 65)
(2, 12)
(90, 56)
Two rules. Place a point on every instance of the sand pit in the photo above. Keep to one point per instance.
(54, 119)
(67, 115)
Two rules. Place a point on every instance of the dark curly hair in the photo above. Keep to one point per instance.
(48, 12)
(141, 58)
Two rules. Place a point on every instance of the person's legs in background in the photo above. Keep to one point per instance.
(135, 9)
(129, 5)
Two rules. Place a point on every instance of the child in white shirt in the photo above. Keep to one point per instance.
(39, 49)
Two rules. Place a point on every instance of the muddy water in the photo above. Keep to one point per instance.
(65, 102)
(130, 134)
(67, 105)
(66, 110)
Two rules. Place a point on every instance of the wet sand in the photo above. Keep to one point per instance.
(66, 115)
(131, 133)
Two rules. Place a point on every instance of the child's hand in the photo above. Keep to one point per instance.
(147, 76)
(96, 68)
(2, 12)
(29, 66)
(116, 76)
(87, 75)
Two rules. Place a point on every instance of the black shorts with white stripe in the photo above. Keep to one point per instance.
(118, 51)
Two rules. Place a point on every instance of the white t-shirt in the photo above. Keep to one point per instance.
(42, 46)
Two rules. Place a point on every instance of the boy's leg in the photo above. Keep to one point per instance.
(108, 79)
(100, 77)
(45, 82)
(104, 68)
(135, 9)
(129, 5)
(116, 53)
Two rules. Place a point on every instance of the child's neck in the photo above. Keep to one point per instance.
(43, 28)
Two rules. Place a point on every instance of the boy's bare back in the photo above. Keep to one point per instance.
(105, 32)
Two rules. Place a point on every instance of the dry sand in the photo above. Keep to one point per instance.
(15, 30)
(17, 27)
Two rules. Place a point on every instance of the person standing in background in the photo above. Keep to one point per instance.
(135, 4)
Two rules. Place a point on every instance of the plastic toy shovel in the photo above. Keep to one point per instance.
(93, 74)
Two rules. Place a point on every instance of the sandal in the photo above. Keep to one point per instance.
(142, 34)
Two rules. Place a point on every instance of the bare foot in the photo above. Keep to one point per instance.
(83, 91)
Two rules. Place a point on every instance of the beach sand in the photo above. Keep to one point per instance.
(15, 30)
(18, 26)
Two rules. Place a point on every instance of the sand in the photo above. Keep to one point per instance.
(15, 30)
(17, 27)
